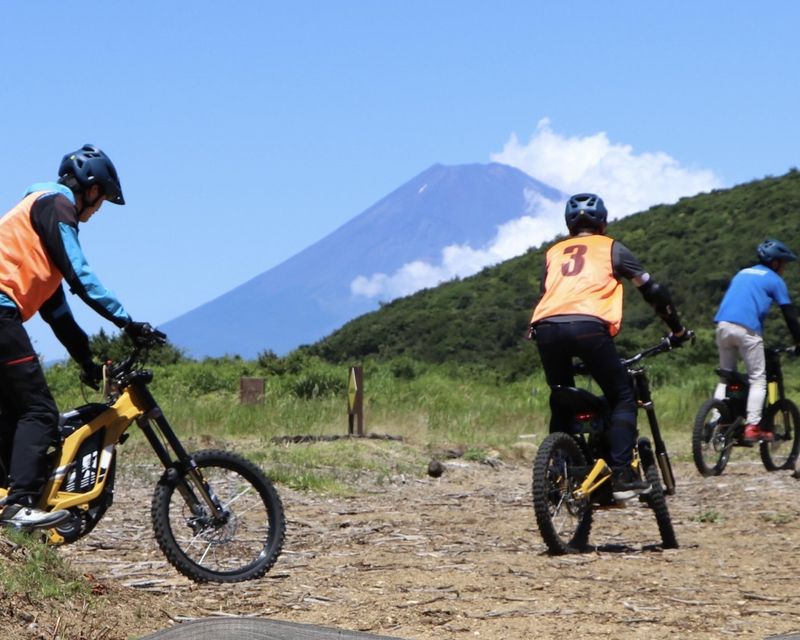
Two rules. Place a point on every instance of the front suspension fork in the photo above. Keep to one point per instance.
(186, 471)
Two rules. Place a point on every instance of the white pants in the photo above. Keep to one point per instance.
(734, 340)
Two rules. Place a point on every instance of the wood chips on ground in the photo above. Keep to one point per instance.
(460, 557)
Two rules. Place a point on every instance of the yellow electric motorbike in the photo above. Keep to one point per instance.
(216, 516)
(571, 476)
(719, 425)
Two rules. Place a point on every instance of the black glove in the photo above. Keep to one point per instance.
(677, 341)
(143, 334)
(92, 375)
(530, 333)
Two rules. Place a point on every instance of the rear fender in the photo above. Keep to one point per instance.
(579, 401)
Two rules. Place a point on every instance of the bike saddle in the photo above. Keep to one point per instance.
(730, 376)
(578, 400)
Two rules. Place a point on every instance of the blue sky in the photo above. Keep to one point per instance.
(245, 131)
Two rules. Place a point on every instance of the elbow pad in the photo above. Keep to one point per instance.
(659, 297)
(656, 295)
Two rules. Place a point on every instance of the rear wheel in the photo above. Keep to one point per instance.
(563, 520)
(781, 453)
(712, 437)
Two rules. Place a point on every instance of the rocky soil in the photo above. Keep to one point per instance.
(460, 557)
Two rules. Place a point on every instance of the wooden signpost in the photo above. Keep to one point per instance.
(355, 402)
(251, 390)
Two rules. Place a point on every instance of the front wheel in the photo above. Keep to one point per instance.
(657, 501)
(783, 419)
(241, 541)
(559, 468)
(712, 437)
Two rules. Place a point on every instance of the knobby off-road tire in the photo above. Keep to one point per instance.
(657, 501)
(711, 437)
(781, 453)
(244, 544)
(563, 521)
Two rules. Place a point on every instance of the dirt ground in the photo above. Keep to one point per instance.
(460, 557)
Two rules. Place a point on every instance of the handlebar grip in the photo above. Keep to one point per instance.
(148, 336)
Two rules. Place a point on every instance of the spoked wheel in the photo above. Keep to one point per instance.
(712, 437)
(781, 453)
(241, 542)
(558, 470)
(657, 501)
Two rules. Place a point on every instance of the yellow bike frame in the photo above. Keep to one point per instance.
(134, 403)
(115, 420)
(599, 474)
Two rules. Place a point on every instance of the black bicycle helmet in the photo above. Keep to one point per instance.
(770, 250)
(89, 165)
(585, 210)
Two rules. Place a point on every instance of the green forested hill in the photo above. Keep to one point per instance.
(694, 247)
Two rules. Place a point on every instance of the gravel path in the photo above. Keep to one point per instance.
(460, 557)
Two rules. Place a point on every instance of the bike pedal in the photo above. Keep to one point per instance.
(609, 506)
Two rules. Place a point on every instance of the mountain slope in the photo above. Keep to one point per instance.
(309, 295)
(694, 247)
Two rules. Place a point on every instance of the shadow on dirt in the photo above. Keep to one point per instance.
(256, 629)
(615, 548)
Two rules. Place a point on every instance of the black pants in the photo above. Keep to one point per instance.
(590, 341)
(29, 418)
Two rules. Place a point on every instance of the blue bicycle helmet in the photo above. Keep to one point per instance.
(770, 250)
(89, 165)
(585, 210)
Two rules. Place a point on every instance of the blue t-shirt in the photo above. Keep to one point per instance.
(750, 295)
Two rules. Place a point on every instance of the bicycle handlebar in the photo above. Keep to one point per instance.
(662, 346)
(149, 339)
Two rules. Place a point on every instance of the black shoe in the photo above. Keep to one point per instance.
(625, 484)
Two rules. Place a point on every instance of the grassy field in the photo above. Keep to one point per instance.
(431, 409)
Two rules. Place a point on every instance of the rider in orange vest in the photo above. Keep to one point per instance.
(38, 249)
(579, 313)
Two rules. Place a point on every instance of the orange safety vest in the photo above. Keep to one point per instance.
(580, 281)
(27, 274)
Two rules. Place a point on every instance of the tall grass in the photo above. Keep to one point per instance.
(430, 407)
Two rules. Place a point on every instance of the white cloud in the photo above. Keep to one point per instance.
(627, 183)
(544, 221)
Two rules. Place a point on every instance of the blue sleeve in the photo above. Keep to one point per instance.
(84, 282)
(780, 292)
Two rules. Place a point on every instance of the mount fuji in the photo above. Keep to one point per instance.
(311, 294)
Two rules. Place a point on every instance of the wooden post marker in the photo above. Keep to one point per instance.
(355, 401)
(251, 390)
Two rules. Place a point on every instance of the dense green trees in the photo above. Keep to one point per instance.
(693, 246)
(116, 348)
